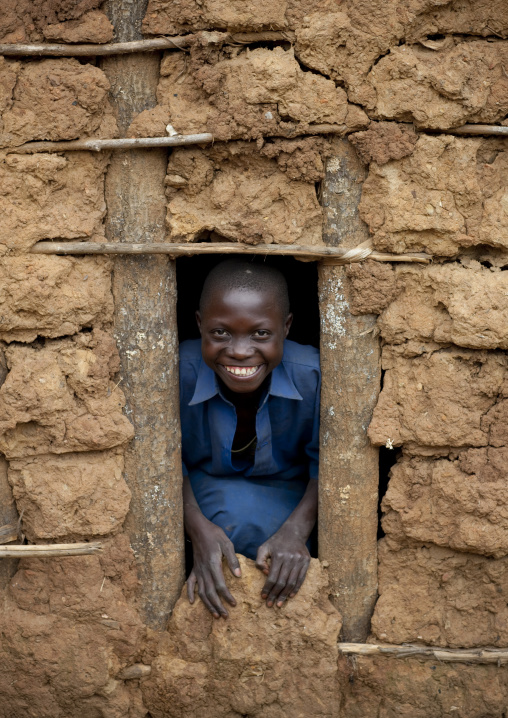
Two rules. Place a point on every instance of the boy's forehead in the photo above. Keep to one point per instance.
(233, 300)
(262, 295)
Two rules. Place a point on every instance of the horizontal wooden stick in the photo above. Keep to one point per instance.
(129, 143)
(450, 655)
(133, 143)
(151, 45)
(50, 550)
(189, 249)
(476, 130)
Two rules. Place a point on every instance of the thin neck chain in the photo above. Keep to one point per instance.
(237, 451)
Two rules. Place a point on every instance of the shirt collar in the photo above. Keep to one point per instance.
(207, 385)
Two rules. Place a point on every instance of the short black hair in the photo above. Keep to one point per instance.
(244, 275)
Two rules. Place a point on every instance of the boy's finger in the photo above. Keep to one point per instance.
(220, 584)
(300, 580)
(213, 597)
(262, 559)
(289, 587)
(271, 580)
(203, 595)
(231, 558)
(191, 586)
(279, 586)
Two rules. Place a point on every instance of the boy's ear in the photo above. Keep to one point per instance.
(287, 324)
(198, 320)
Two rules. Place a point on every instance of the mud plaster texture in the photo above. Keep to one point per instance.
(239, 193)
(348, 45)
(459, 501)
(449, 194)
(244, 94)
(53, 20)
(384, 141)
(53, 99)
(70, 625)
(461, 304)
(59, 397)
(51, 197)
(42, 296)
(435, 400)
(434, 595)
(395, 688)
(260, 662)
(71, 495)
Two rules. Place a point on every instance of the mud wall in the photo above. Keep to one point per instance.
(394, 78)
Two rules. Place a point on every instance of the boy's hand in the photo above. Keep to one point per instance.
(210, 544)
(288, 566)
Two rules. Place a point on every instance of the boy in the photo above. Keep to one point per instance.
(250, 421)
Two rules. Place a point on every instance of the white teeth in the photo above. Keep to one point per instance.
(241, 370)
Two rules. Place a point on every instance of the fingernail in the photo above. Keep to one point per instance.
(216, 615)
(237, 572)
(269, 604)
(279, 604)
(264, 595)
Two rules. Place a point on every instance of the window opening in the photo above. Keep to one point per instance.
(302, 279)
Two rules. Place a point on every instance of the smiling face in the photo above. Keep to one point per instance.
(242, 336)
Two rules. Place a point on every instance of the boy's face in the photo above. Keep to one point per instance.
(242, 336)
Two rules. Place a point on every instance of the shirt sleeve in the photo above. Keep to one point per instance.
(312, 448)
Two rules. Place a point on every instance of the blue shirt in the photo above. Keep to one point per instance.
(251, 500)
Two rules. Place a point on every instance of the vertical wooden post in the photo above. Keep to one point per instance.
(351, 380)
(8, 523)
(146, 331)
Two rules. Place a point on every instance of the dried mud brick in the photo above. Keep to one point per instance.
(68, 630)
(53, 99)
(70, 495)
(373, 286)
(446, 398)
(475, 17)
(50, 196)
(241, 195)
(68, 21)
(93, 27)
(259, 662)
(168, 17)
(433, 595)
(392, 687)
(460, 503)
(53, 296)
(384, 141)
(450, 193)
(60, 398)
(255, 93)
(345, 43)
(449, 303)
(445, 88)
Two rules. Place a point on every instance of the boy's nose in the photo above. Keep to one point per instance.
(240, 349)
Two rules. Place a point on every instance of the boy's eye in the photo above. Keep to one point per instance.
(219, 332)
(261, 333)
